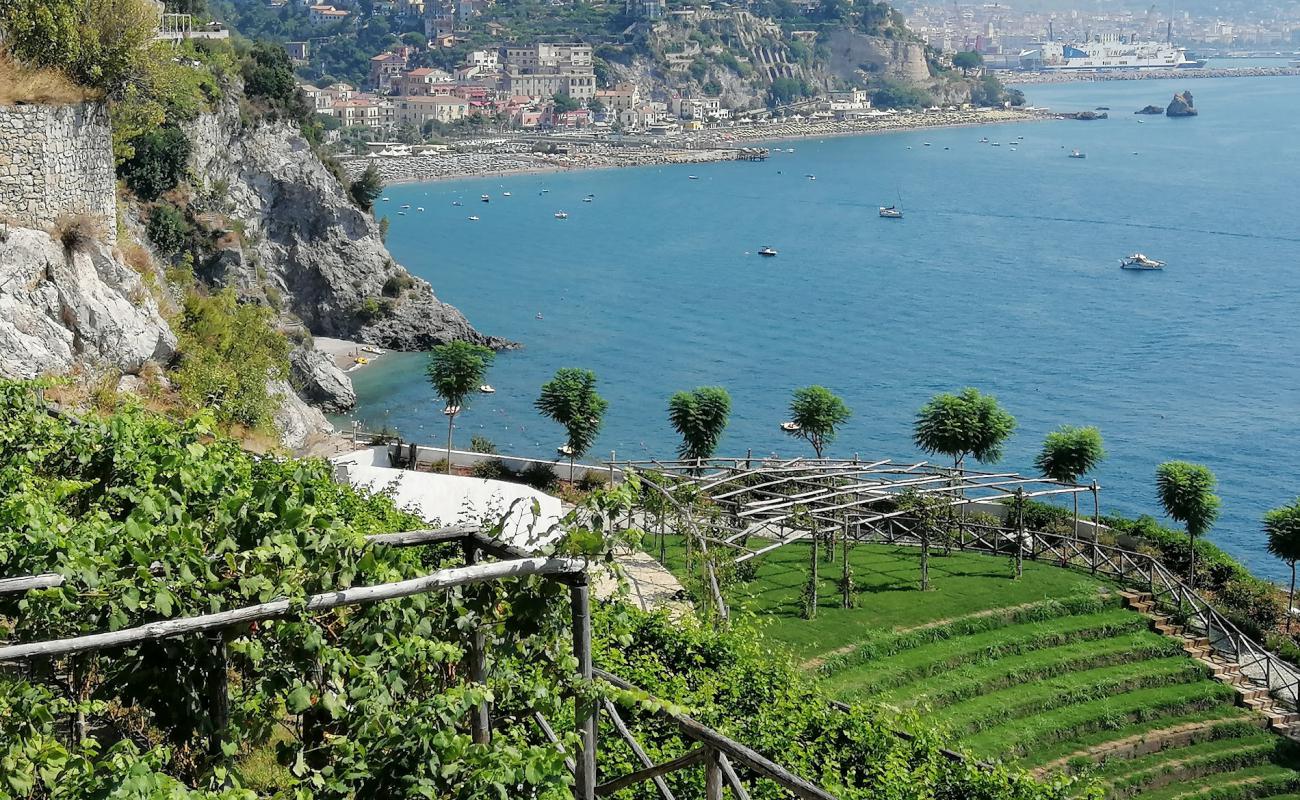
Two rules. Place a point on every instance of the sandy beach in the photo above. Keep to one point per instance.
(346, 353)
(515, 156)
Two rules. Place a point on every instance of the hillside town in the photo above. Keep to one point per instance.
(542, 85)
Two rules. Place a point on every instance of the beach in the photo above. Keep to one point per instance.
(518, 156)
(346, 352)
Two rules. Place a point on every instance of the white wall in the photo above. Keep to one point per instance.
(452, 499)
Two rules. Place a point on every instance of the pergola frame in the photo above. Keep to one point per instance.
(714, 750)
(838, 494)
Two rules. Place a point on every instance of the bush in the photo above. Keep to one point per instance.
(158, 162)
(592, 480)
(365, 190)
(97, 43)
(373, 309)
(229, 353)
(492, 469)
(167, 229)
(540, 477)
(396, 284)
(75, 231)
(482, 444)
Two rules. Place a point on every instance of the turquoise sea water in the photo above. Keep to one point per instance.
(1003, 275)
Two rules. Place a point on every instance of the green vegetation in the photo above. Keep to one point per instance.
(1282, 525)
(149, 519)
(97, 43)
(816, 413)
(229, 354)
(157, 163)
(1069, 453)
(456, 370)
(570, 399)
(1186, 492)
(1047, 672)
(964, 424)
(167, 229)
(699, 417)
(367, 187)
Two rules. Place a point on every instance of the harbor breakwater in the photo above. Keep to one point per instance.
(1031, 78)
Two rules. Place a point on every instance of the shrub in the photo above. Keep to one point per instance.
(492, 469)
(396, 284)
(367, 187)
(539, 476)
(75, 231)
(482, 444)
(592, 480)
(229, 352)
(372, 309)
(97, 43)
(167, 229)
(158, 162)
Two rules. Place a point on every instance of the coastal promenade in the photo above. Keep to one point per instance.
(521, 155)
(1031, 78)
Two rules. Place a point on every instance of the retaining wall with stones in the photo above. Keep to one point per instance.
(57, 160)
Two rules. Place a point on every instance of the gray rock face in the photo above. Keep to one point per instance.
(322, 254)
(299, 424)
(1150, 110)
(1181, 106)
(890, 58)
(59, 308)
(320, 381)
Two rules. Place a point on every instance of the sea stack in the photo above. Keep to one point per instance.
(1181, 106)
(1150, 110)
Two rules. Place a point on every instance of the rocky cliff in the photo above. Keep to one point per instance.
(854, 54)
(302, 240)
(67, 306)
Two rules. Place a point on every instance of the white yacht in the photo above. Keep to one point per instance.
(1139, 261)
(1078, 154)
(767, 251)
(561, 215)
(891, 212)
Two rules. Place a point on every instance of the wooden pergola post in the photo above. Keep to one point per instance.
(480, 722)
(584, 712)
(1096, 522)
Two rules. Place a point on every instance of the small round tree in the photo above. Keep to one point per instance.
(1282, 525)
(1069, 452)
(816, 413)
(456, 370)
(1186, 492)
(699, 417)
(570, 399)
(961, 425)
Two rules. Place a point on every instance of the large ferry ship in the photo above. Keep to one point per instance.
(1106, 54)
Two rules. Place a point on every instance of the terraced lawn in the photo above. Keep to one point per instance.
(1050, 672)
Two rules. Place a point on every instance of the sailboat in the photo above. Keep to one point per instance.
(894, 211)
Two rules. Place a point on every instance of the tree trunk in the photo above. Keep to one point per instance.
(925, 562)
(1290, 599)
(571, 470)
(846, 572)
(810, 591)
(1076, 517)
(1191, 575)
(451, 420)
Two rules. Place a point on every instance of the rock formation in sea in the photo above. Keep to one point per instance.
(303, 237)
(1150, 110)
(1181, 106)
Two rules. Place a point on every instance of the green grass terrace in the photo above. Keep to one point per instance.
(1050, 671)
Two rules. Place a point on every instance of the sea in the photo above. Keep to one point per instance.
(1003, 275)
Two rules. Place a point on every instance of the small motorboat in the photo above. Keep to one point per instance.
(455, 202)
(984, 140)
(996, 144)
(450, 410)
(790, 427)
(564, 450)
(385, 199)
(473, 218)
(406, 205)
(789, 149)
(586, 199)
(544, 191)
(486, 389)
(561, 215)
(692, 177)
(891, 212)
(1139, 261)
(539, 315)
(419, 208)
(401, 213)
(767, 251)
(811, 177)
(505, 194)
(926, 144)
(1078, 154)
(485, 198)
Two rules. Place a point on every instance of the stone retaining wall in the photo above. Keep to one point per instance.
(57, 160)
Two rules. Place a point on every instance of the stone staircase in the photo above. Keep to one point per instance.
(1250, 693)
